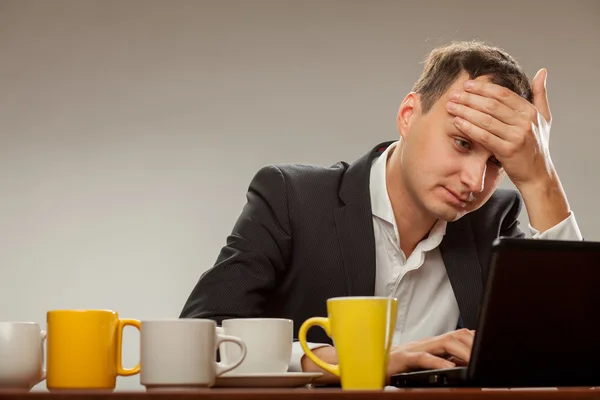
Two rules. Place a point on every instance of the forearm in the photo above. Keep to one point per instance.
(546, 202)
(327, 354)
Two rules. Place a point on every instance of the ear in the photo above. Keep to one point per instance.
(409, 109)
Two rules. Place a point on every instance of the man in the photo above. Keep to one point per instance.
(413, 219)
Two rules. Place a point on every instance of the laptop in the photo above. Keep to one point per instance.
(539, 322)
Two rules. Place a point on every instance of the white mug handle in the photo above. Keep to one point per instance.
(222, 367)
(43, 338)
(221, 331)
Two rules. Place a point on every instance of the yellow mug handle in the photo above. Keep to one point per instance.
(323, 323)
(122, 324)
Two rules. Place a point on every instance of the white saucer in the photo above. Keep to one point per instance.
(281, 380)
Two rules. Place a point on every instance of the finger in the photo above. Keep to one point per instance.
(446, 345)
(466, 336)
(487, 106)
(456, 348)
(424, 360)
(458, 362)
(480, 119)
(540, 94)
(500, 93)
(488, 140)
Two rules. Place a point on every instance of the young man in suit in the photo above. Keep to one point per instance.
(413, 218)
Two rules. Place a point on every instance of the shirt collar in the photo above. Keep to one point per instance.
(380, 201)
(381, 207)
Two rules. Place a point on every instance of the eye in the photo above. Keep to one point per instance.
(495, 161)
(463, 144)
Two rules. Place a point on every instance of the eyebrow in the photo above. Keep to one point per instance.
(454, 131)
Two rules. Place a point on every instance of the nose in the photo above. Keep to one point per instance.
(473, 174)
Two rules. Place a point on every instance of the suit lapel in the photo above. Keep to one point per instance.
(354, 225)
(464, 270)
(357, 244)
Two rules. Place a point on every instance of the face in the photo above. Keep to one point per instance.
(445, 174)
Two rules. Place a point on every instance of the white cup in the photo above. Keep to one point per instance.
(21, 355)
(268, 343)
(180, 354)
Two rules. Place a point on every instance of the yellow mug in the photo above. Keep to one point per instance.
(362, 329)
(84, 349)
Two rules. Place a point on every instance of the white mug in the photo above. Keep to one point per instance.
(179, 354)
(21, 355)
(268, 343)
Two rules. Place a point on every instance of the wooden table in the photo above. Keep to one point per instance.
(320, 394)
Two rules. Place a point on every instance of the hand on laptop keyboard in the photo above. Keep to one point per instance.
(444, 351)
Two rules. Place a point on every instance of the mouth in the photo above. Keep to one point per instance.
(456, 199)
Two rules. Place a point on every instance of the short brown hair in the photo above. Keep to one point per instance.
(444, 64)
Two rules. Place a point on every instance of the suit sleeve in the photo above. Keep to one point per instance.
(254, 259)
(510, 225)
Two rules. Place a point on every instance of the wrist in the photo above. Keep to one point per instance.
(545, 186)
(545, 201)
(326, 353)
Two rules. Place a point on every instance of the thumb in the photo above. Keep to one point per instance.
(540, 94)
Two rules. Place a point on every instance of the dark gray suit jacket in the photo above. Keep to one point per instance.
(306, 234)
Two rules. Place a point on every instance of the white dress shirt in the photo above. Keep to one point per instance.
(426, 302)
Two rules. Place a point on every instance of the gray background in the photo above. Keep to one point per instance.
(129, 130)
